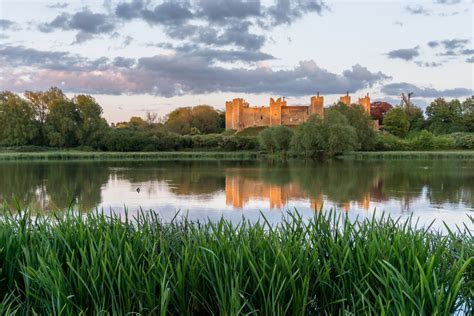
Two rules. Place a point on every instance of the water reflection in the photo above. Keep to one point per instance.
(438, 187)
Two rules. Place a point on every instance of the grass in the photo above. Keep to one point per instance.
(93, 264)
(382, 155)
(91, 155)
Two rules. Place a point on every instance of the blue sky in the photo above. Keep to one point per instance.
(136, 56)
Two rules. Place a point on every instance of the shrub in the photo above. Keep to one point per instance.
(266, 140)
(463, 140)
(424, 140)
(396, 122)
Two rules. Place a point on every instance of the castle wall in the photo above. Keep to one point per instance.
(239, 115)
(294, 115)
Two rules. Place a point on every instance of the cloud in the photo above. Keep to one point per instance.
(87, 23)
(455, 43)
(20, 56)
(448, 2)
(58, 5)
(405, 53)
(219, 22)
(6, 24)
(467, 52)
(287, 11)
(433, 44)
(170, 75)
(394, 89)
(417, 10)
(470, 60)
(219, 10)
(428, 64)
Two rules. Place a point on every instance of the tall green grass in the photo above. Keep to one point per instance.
(66, 264)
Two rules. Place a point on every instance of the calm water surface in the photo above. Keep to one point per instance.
(441, 190)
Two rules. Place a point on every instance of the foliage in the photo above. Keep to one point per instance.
(202, 118)
(468, 114)
(276, 138)
(17, 121)
(379, 109)
(62, 124)
(362, 123)
(396, 122)
(328, 137)
(445, 117)
(463, 140)
(98, 264)
(91, 126)
(416, 120)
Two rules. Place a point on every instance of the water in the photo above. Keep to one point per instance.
(428, 190)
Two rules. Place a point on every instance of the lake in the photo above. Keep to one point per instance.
(428, 190)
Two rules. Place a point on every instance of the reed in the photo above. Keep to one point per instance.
(93, 263)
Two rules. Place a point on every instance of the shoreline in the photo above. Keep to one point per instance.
(68, 155)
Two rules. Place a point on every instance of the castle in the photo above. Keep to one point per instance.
(239, 115)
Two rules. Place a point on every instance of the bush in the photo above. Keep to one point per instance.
(463, 140)
(389, 142)
(396, 122)
(266, 140)
(424, 140)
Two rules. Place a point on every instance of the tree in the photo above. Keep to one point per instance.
(415, 118)
(202, 117)
(17, 120)
(282, 136)
(445, 117)
(362, 123)
(331, 136)
(179, 121)
(396, 122)
(62, 123)
(276, 138)
(91, 125)
(468, 114)
(206, 119)
(41, 102)
(340, 136)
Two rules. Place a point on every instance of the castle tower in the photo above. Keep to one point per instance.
(346, 99)
(275, 111)
(365, 102)
(317, 105)
(233, 113)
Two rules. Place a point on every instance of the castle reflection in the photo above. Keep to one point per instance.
(236, 184)
(240, 190)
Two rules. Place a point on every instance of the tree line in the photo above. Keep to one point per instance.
(50, 119)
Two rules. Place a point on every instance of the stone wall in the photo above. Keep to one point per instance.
(239, 115)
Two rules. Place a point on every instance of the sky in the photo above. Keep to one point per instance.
(139, 56)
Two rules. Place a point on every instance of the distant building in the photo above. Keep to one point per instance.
(239, 115)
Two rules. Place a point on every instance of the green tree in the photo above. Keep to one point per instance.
(282, 136)
(206, 119)
(17, 120)
(92, 126)
(396, 122)
(361, 121)
(445, 117)
(62, 123)
(179, 121)
(340, 136)
(41, 102)
(266, 141)
(468, 114)
(202, 117)
(328, 137)
(415, 118)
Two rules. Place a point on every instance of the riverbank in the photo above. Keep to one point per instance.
(391, 155)
(93, 264)
(96, 155)
(221, 155)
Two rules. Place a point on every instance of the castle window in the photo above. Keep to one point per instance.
(261, 117)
